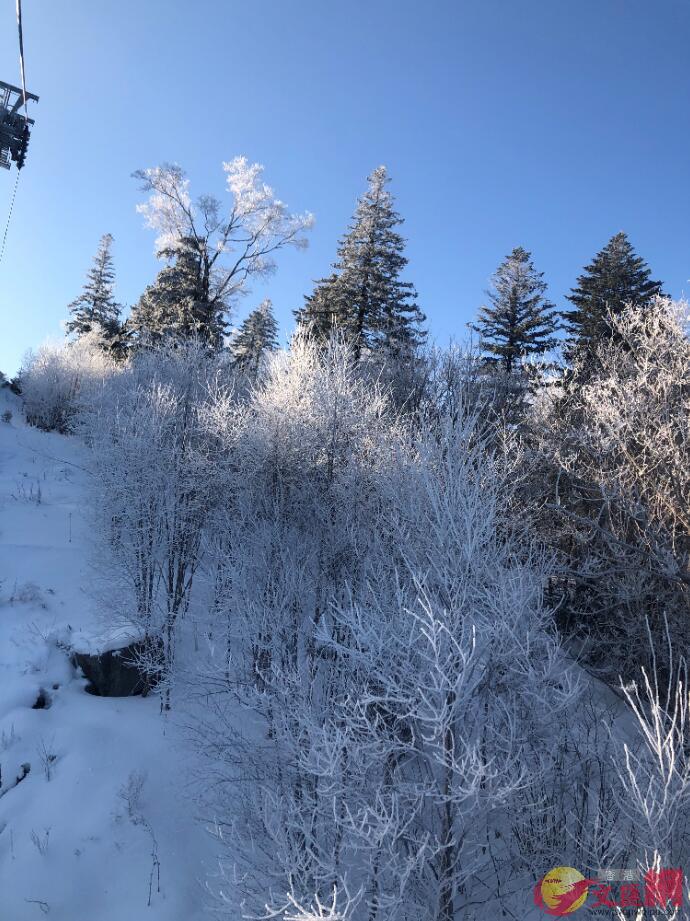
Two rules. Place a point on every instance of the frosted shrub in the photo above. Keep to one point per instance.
(387, 677)
(450, 679)
(655, 769)
(59, 378)
(154, 488)
(308, 464)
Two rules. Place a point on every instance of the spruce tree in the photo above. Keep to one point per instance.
(519, 321)
(616, 277)
(257, 335)
(366, 299)
(96, 309)
(322, 311)
(178, 304)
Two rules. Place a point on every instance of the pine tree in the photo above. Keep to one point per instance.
(616, 277)
(257, 335)
(96, 308)
(520, 320)
(178, 304)
(367, 300)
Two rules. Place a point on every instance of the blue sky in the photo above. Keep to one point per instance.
(550, 124)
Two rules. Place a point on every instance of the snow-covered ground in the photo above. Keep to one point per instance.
(106, 806)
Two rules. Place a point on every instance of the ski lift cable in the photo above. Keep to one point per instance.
(21, 54)
(9, 216)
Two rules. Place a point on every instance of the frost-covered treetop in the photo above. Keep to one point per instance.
(254, 201)
(228, 245)
(255, 214)
(169, 208)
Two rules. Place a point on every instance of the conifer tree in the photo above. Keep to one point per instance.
(257, 335)
(366, 299)
(322, 312)
(615, 278)
(178, 304)
(96, 308)
(519, 321)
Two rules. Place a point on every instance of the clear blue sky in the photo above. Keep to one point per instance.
(551, 124)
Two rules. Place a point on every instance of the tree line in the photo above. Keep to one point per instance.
(210, 259)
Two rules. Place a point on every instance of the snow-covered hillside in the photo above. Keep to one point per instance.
(104, 807)
(347, 617)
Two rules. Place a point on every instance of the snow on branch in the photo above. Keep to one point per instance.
(317, 911)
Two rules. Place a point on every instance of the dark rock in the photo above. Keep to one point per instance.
(42, 702)
(24, 770)
(117, 672)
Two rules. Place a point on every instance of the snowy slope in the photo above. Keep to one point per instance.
(106, 804)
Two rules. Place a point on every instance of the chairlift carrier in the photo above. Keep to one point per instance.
(15, 127)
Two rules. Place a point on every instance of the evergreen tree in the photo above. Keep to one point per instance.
(366, 299)
(520, 321)
(178, 304)
(257, 335)
(322, 311)
(96, 308)
(616, 277)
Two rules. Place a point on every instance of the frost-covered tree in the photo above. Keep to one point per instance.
(614, 486)
(354, 605)
(215, 251)
(519, 322)
(615, 278)
(96, 310)
(368, 300)
(257, 335)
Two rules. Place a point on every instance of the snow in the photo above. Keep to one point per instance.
(98, 641)
(71, 846)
